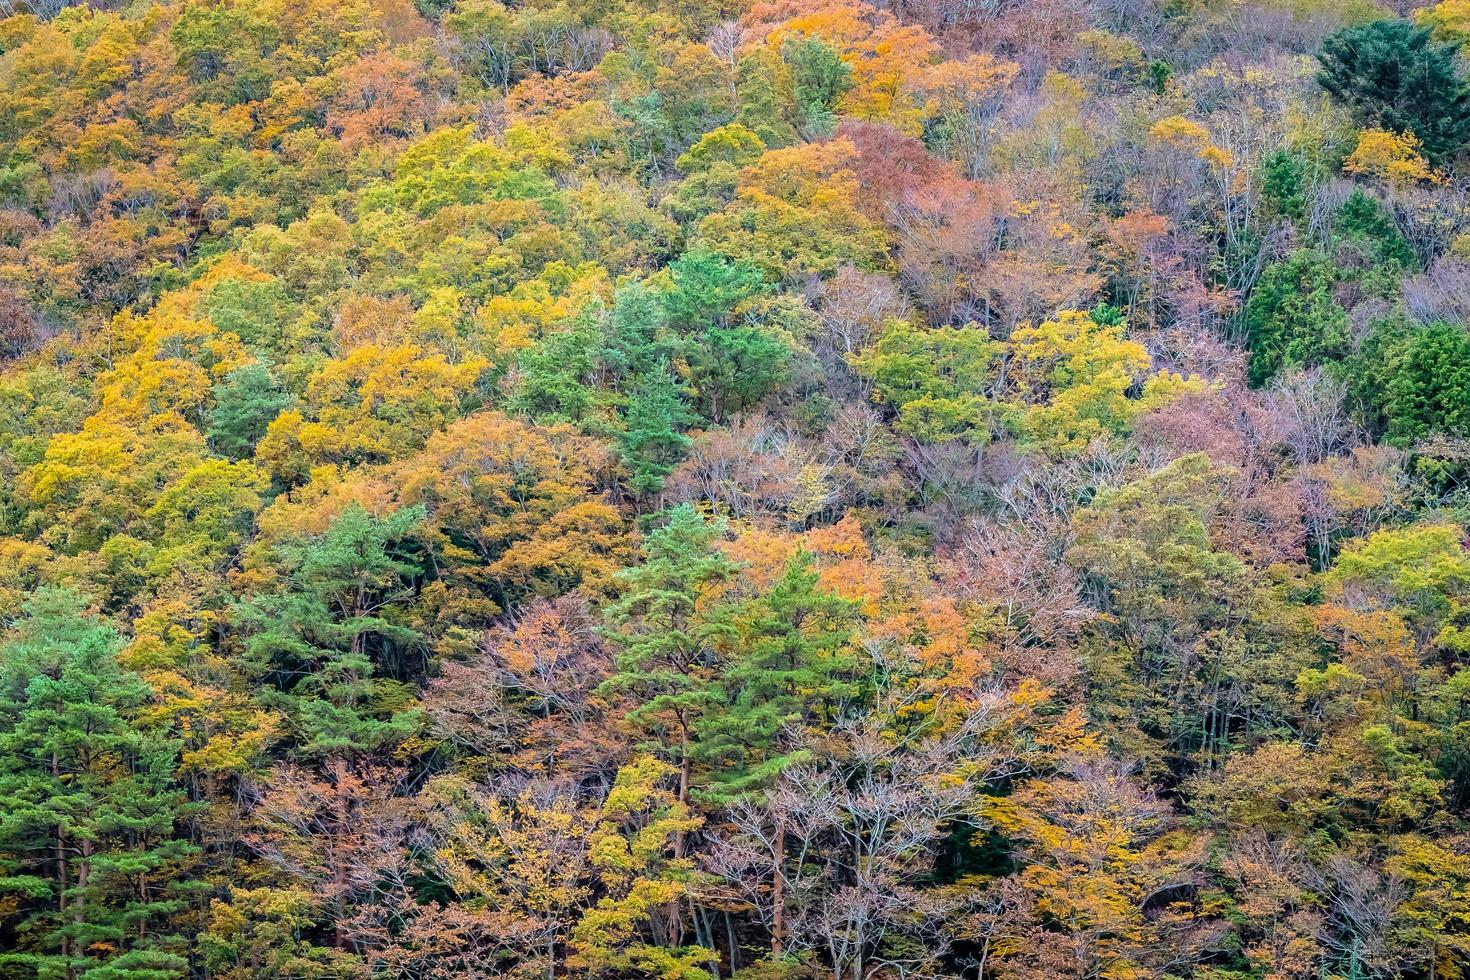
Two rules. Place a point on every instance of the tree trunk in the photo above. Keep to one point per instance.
(778, 891)
(61, 872)
(340, 827)
(683, 782)
(730, 935)
(84, 875)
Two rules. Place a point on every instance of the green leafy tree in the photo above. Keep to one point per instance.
(258, 312)
(763, 95)
(1395, 77)
(819, 78)
(732, 146)
(93, 859)
(1292, 317)
(937, 379)
(1179, 639)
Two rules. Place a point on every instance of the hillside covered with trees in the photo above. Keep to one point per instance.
(760, 489)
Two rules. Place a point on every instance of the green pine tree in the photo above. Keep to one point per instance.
(733, 368)
(552, 383)
(663, 640)
(653, 442)
(785, 664)
(244, 407)
(324, 644)
(1393, 76)
(91, 850)
(630, 342)
(706, 287)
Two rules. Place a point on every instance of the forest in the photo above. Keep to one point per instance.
(735, 489)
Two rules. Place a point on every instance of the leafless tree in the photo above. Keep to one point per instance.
(1358, 903)
(1442, 293)
(1312, 408)
(853, 306)
(829, 858)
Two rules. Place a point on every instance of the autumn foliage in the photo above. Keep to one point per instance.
(721, 489)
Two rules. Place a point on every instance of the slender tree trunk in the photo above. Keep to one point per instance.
(683, 781)
(339, 873)
(730, 936)
(61, 871)
(84, 876)
(778, 891)
(675, 927)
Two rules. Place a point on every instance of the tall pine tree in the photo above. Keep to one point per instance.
(91, 849)
(653, 442)
(784, 664)
(663, 639)
(335, 661)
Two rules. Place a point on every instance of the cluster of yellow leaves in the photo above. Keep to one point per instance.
(796, 215)
(1448, 19)
(1390, 157)
(373, 404)
(547, 859)
(506, 501)
(137, 469)
(1183, 133)
(514, 320)
(1072, 378)
(1099, 850)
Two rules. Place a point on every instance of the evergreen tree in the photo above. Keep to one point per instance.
(1364, 223)
(733, 368)
(630, 343)
(552, 382)
(336, 663)
(652, 442)
(662, 638)
(90, 847)
(1285, 180)
(1427, 385)
(706, 288)
(1394, 77)
(785, 664)
(244, 407)
(1292, 317)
